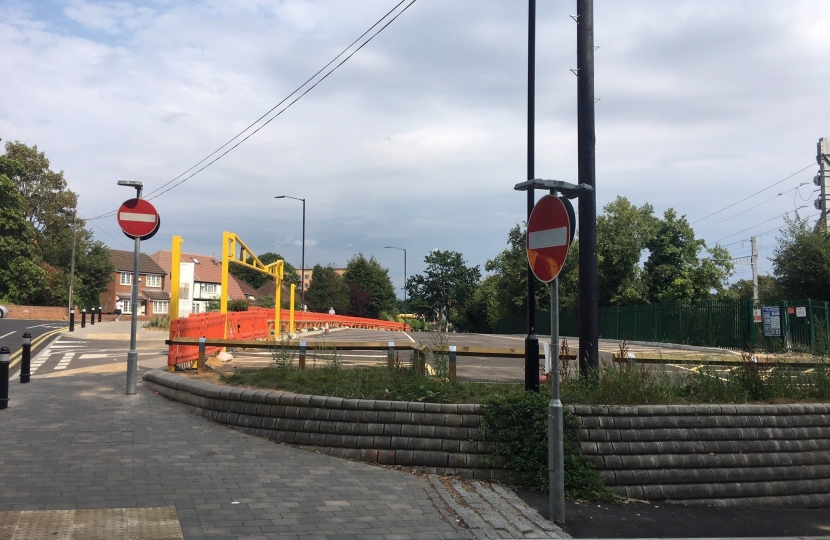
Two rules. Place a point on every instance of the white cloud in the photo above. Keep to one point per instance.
(418, 139)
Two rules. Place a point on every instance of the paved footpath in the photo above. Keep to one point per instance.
(79, 443)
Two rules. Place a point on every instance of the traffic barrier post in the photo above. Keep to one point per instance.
(302, 355)
(100, 309)
(453, 355)
(71, 320)
(92, 316)
(390, 356)
(202, 356)
(83, 318)
(26, 358)
(4, 377)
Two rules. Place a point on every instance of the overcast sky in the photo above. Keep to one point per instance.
(418, 139)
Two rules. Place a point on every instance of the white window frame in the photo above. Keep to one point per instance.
(153, 280)
(126, 278)
(161, 307)
(210, 288)
(128, 307)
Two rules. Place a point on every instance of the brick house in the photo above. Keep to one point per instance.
(200, 281)
(153, 299)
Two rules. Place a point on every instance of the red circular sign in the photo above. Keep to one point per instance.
(138, 218)
(548, 238)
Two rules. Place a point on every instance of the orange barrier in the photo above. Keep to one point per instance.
(256, 323)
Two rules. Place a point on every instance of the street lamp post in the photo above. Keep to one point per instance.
(302, 262)
(404, 270)
(132, 355)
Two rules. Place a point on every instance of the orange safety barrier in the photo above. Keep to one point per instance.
(254, 324)
(209, 325)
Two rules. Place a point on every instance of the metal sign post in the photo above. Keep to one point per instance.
(138, 220)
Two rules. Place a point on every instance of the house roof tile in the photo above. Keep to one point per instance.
(208, 269)
(124, 262)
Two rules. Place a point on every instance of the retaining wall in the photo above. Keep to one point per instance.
(433, 436)
(723, 455)
(38, 313)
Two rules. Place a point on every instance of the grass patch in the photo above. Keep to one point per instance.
(401, 384)
(747, 382)
(158, 323)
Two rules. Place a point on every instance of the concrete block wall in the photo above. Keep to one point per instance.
(438, 438)
(723, 455)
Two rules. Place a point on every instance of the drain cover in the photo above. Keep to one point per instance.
(160, 523)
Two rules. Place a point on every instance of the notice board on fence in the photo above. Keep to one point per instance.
(772, 321)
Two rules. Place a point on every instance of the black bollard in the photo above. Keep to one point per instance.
(71, 320)
(83, 318)
(99, 313)
(92, 316)
(4, 377)
(26, 358)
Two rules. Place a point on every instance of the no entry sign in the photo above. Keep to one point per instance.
(548, 238)
(138, 219)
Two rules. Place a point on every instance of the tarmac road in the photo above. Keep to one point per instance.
(11, 336)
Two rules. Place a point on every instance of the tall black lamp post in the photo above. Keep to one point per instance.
(302, 263)
(404, 270)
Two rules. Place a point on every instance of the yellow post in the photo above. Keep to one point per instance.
(291, 311)
(227, 253)
(277, 301)
(175, 276)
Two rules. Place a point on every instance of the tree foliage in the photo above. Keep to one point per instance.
(801, 261)
(257, 279)
(368, 277)
(446, 289)
(327, 289)
(46, 206)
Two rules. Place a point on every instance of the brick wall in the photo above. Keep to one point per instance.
(39, 313)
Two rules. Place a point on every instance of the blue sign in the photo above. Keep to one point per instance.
(772, 321)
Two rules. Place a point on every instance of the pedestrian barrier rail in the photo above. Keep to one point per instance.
(255, 324)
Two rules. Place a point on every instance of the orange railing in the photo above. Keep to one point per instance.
(256, 323)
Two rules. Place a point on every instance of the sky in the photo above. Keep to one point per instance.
(417, 140)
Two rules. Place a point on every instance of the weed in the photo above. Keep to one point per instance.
(282, 351)
(161, 323)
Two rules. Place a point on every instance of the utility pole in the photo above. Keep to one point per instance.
(531, 340)
(822, 179)
(588, 280)
(754, 261)
(72, 262)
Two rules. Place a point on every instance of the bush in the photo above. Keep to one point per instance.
(161, 323)
(238, 305)
(519, 424)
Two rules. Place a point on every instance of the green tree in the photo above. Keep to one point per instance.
(801, 261)
(673, 271)
(327, 289)
(446, 288)
(623, 231)
(372, 279)
(257, 279)
(22, 278)
(48, 207)
(769, 290)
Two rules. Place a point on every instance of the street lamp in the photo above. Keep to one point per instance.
(404, 272)
(302, 263)
(132, 355)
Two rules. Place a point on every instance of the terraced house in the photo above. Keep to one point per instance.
(153, 299)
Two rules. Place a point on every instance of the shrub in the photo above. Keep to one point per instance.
(238, 305)
(162, 323)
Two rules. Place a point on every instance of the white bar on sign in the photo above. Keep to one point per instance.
(548, 238)
(132, 216)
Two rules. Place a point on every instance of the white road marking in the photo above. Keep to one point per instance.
(64, 363)
(5, 335)
(410, 337)
(548, 238)
(89, 356)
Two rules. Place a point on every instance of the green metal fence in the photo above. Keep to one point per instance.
(728, 324)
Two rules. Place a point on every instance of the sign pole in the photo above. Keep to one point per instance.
(556, 457)
(132, 355)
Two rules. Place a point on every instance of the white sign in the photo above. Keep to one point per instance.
(757, 316)
(801, 312)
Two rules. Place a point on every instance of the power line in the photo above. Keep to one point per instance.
(753, 207)
(767, 232)
(750, 228)
(103, 231)
(159, 193)
(754, 194)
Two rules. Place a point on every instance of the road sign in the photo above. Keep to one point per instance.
(138, 218)
(548, 238)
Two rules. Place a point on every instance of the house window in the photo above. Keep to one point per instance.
(209, 288)
(195, 307)
(160, 306)
(153, 280)
(126, 278)
(128, 306)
